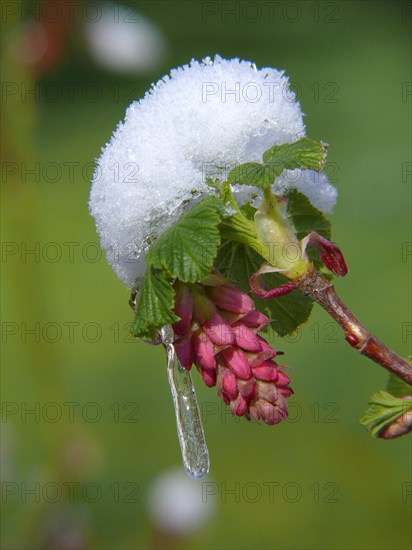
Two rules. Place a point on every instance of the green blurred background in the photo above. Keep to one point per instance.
(103, 423)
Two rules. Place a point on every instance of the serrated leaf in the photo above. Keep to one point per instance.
(305, 217)
(398, 387)
(248, 210)
(304, 153)
(250, 173)
(188, 249)
(237, 227)
(154, 308)
(383, 408)
(238, 262)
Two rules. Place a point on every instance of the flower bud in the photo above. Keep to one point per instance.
(239, 406)
(185, 352)
(204, 350)
(209, 377)
(255, 319)
(229, 385)
(237, 361)
(245, 338)
(400, 426)
(266, 372)
(219, 331)
(231, 299)
(228, 352)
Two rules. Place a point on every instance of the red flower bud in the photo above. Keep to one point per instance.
(229, 385)
(237, 361)
(245, 338)
(266, 372)
(209, 377)
(255, 319)
(330, 253)
(204, 350)
(231, 299)
(283, 379)
(239, 406)
(185, 352)
(218, 333)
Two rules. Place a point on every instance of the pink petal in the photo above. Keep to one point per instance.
(232, 299)
(266, 372)
(246, 339)
(209, 377)
(255, 319)
(229, 385)
(226, 398)
(219, 331)
(283, 379)
(239, 407)
(204, 350)
(237, 361)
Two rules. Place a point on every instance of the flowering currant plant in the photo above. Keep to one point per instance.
(210, 202)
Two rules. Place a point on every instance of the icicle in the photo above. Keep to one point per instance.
(189, 425)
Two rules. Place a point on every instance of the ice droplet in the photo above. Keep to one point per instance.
(189, 425)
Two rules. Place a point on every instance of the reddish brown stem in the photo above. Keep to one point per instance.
(316, 286)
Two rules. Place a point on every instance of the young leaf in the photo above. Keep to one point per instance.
(188, 249)
(154, 308)
(304, 153)
(238, 262)
(250, 173)
(248, 210)
(383, 409)
(305, 217)
(238, 227)
(398, 387)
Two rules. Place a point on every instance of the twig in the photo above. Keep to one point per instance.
(313, 284)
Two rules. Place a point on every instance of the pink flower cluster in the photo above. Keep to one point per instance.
(218, 332)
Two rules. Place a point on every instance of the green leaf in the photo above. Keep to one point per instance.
(383, 408)
(304, 153)
(250, 173)
(248, 210)
(238, 262)
(238, 227)
(188, 249)
(305, 217)
(398, 387)
(227, 196)
(154, 308)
